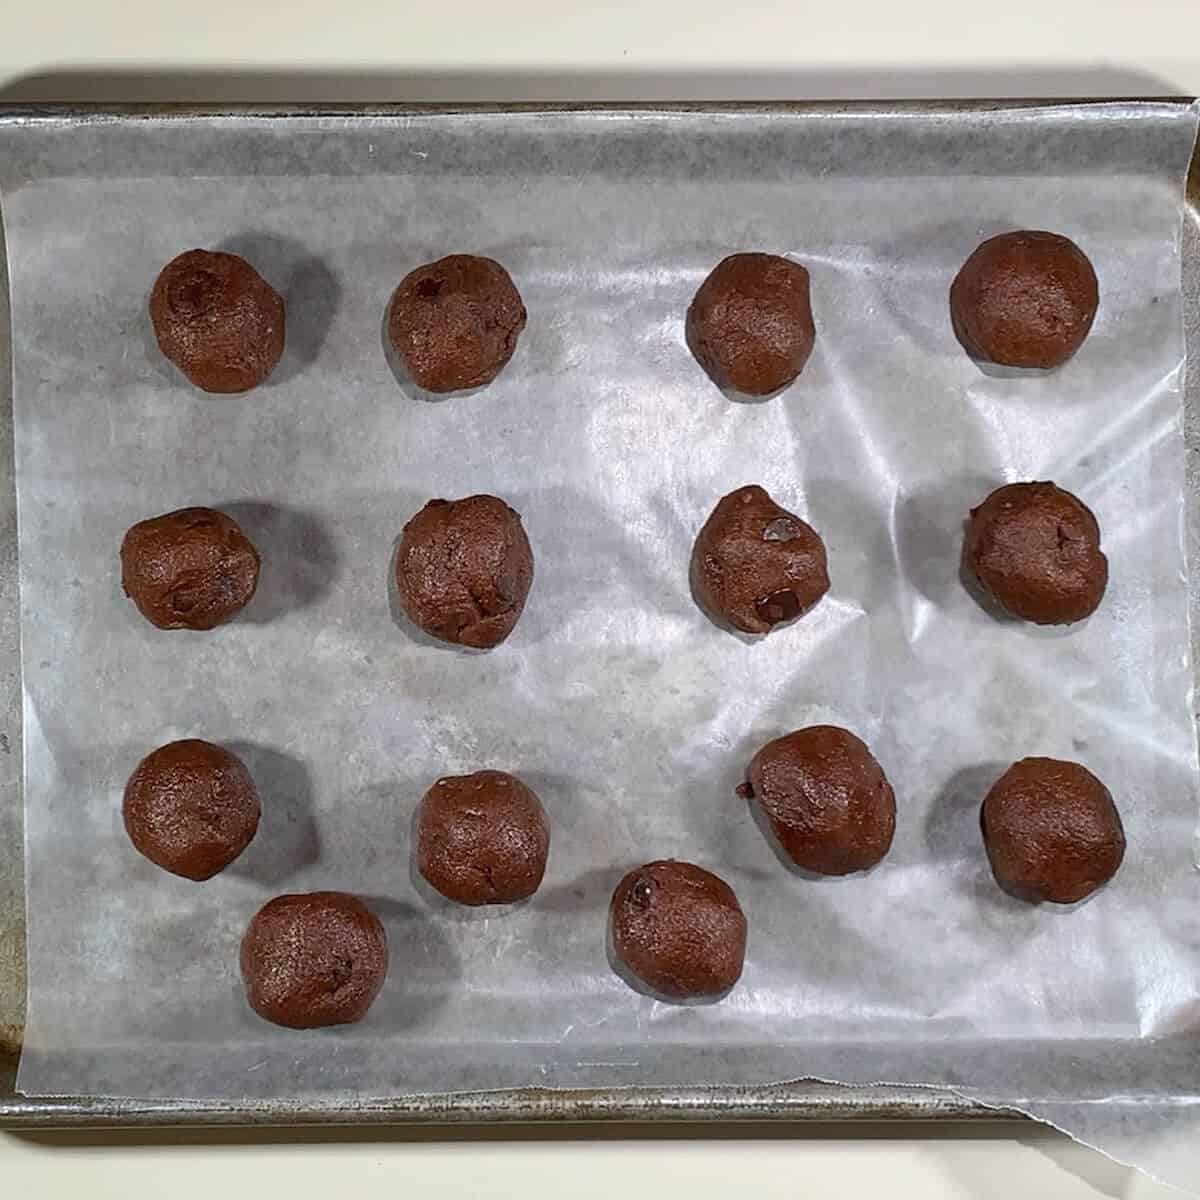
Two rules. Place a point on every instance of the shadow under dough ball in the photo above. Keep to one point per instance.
(189, 569)
(313, 960)
(826, 799)
(1052, 831)
(217, 320)
(482, 838)
(464, 569)
(750, 325)
(1035, 549)
(455, 322)
(191, 808)
(756, 565)
(679, 929)
(1024, 299)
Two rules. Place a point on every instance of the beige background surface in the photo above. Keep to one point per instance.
(360, 50)
(955, 1164)
(706, 49)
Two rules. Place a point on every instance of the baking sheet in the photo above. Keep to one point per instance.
(631, 715)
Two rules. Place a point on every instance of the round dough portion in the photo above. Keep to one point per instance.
(191, 808)
(756, 565)
(750, 325)
(1025, 299)
(313, 960)
(1035, 549)
(826, 799)
(189, 569)
(455, 322)
(482, 838)
(217, 320)
(679, 929)
(1052, 831)
(464, 569)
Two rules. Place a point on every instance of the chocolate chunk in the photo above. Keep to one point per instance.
(778, 607)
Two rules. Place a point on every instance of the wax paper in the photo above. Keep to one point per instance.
(628, 711)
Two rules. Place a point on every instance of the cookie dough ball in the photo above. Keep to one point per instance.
(455, 322)
(756, 565)
(1035, 550)
(217, 320)
(1024, 299)
(750, 325)
(189, 569)
(464, 569)
(191, 808)
(826, 799)
(482, 838)
(1052, 831)
(679, 929)
(313, 960)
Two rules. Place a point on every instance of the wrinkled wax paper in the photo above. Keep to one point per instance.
(630, 713)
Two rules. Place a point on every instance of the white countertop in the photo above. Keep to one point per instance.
(959, 1164)
(360, 50)
(694, 49)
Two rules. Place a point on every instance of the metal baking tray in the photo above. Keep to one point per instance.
(798, 1101)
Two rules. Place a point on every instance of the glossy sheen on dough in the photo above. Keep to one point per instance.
(482, 838)
(756, 565)
(191, 808)
(1052, 831)
(827, 800)
(750, 325)
(189, 569)
(1036, 550)
(455, 322)
(464, 569)
(313, 960)
(1024, 299)
(217, 320)
(679, 929)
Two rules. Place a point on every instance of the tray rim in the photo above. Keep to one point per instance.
(77, 112)
(803, 1101)
(798, 1101)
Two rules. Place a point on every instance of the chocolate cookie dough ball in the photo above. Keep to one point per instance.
(1052, 831)
(679, 929)
(463, 570)
(1035, 549)
(217, 320)
(482, 838)
(191, 808)
(1024, 299)
(313, 960)
(189, 569)
(455, 322)
(756, 565)
(826, 799)
(750, 325)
